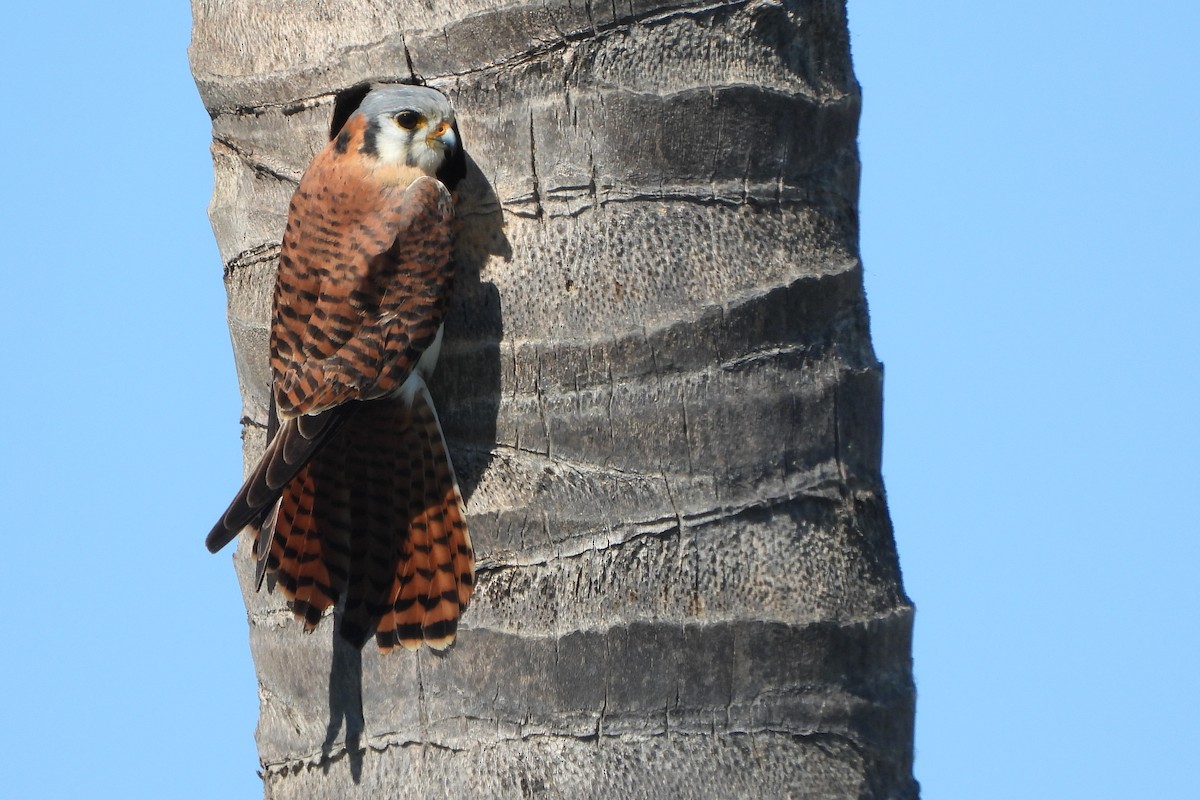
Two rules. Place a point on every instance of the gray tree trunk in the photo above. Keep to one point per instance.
(659, 390)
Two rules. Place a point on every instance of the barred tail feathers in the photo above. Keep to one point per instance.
(434, 579)
(377, 516)
(309, 538)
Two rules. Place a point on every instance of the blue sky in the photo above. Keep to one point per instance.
(1029, 211)
(1029, 206)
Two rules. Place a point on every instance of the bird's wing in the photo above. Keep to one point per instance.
(363, 283)
(364, 278)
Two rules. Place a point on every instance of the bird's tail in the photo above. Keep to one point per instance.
(379, 517)
(434, 575)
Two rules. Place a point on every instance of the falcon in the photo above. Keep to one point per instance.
(355, 498)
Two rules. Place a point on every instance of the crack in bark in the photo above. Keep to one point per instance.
(382, 742)
(259, 167)
(764, 355)
(247, 422)
(747, 195)
(320, 760)
(535, 194)
(259, 254)
(595, 540)
(407, 55)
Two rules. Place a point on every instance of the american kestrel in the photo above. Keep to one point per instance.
(355, 493)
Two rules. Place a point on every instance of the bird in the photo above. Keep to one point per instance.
(355, 498)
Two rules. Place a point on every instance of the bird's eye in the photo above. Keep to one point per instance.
(407, 119)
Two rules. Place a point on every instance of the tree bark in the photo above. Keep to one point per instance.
(659, 390)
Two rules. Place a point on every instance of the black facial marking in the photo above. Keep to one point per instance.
(342, 142)
(369, 145)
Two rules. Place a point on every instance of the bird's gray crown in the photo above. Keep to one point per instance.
(391, 98)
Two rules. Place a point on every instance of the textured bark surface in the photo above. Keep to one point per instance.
(660, 395)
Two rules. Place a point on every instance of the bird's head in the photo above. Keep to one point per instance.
(413, 126)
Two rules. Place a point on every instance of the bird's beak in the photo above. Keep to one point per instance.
(444, 136)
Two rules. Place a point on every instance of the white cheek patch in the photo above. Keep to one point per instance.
(392, 147)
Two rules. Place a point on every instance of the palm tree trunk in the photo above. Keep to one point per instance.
(659, 390)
